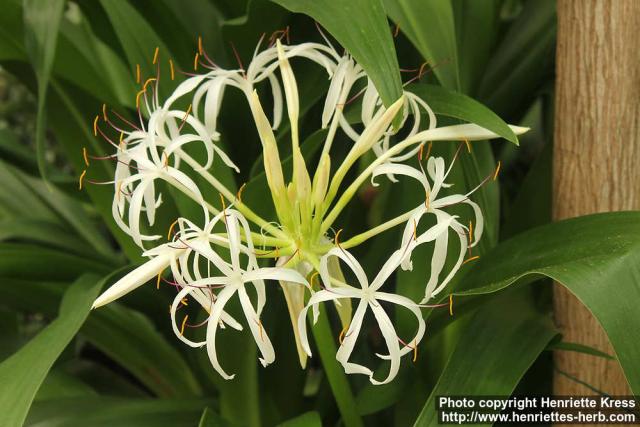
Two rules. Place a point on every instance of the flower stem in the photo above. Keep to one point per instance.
(362, 237)
(351, 190)
(244, 209)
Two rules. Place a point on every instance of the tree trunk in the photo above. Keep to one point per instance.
(596, 152)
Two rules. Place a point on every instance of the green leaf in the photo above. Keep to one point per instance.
(596, 257)
(42, 21)
(361, 27)
(129, 338)
(105, 411)
(60, 385)
(37, 263)
(211, 419)
(326, 347)
(308, 419)
(490, 358)
(476, 31)
(431, 28)
(511, 77)
(578, 348)
(22, 374)
(449, 103)
(137, 38)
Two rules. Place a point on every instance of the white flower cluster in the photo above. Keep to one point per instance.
(214, 262)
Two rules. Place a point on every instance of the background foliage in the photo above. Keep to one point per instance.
(121, 365)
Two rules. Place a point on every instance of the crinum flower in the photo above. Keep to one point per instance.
(468, 237)
(218, 260)
(370, 297)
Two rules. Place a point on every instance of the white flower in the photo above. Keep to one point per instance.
(232, 280)
(370, 297)
(435, 205)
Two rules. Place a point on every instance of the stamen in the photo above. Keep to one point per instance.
(235, 53)
(427, 199)
(84, 172)
(125, 120)
(313, 276)
(165, 160)
(495, 175)
(473, 258)
(173, 73)
(173, 224)
(260, 327)
(158, 280)
(342, 333)
(138, 73)
(291, 257)
(415, 352)
(336, 239)
(450, 304)
(155, 55)
(84, 156)
(195, 61)
(396, 31)
(224, 210)
(420, 152)
(121, 140)
(149, 80)
(239, 194)
(139, 94)
(184, 302)
(104, 112)
(95, 125)
(200, 45)
(466, 141)
(470, 232)
(184, 119)
(415, 230)
(184, 322)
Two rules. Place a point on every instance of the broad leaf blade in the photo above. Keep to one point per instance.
(430, 27)
(22, 374)
(500, 355)
(42, 20)
(448, 103)
(596, 257)
(361, 27)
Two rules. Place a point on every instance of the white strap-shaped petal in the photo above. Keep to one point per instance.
(460, 230)
(135, 279)
(349, 342)
(275, 273)
(391, 341)
(399, 169)
(411, 239)
(135, 207)
(335, 88)
(278, 104)
(468, 132)
(203, 248)
(479, 223)
(389, 267)
(318, 297)
(212, 328)
(439, 256)
(415, 310)
(257, 330)
(184, 292)
(350, 260)
(204, 296)
(183, 88)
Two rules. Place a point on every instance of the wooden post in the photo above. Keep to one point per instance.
(596, 154)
